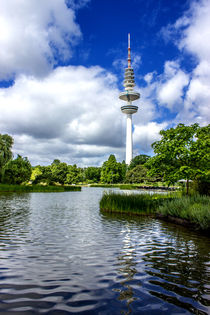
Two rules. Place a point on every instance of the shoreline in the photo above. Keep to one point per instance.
(190, 211)
(4, 188)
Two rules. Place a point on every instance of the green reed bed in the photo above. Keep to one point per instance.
(134, 203)
(192, 209)
(121, 186)
(158, 186)
(37, 188)
(195, 209)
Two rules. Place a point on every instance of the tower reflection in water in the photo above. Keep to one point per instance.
(126, 267)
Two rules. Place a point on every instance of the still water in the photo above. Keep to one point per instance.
(60, 255)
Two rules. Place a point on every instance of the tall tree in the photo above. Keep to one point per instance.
(111, 171)
(74, 174)
(182, 153)
(138, 160)
(137, 174)
(6, 143)
(93, 174)
(59, 171)
(17, 171)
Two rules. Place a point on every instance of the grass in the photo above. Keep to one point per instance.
(192, 209)
(37, 188)
(195, 209)
(134, 203)
(158, 185)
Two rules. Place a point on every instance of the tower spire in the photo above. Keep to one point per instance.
(129, 51)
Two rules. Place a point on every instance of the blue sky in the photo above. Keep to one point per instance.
(62, 65)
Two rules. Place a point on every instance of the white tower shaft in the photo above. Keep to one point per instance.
(129, 141)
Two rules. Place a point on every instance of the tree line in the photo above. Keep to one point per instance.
(182, 153)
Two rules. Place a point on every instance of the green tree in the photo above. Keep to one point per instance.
(36, 172)
(42, 174)
(124, 168)
(6, 143)
(182, 153)
(138, 160)
(58, 171)
(111, 171)
(138, 174)
(92, 174)
(17, 171)
(74, 174)
(56, 162)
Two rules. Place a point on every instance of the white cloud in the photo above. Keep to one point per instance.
(72, 114)
(32, 33)
(190, 34)
(145, 135)
(196, 30)
(171, 90)
(71, 106)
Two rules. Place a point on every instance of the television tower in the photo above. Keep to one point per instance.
(129, 109)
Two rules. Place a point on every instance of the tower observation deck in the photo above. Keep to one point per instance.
(129, 95)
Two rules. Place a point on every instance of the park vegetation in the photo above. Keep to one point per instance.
(188, 210)
(182, 154)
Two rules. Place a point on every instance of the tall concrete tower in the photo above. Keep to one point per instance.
(129, 109)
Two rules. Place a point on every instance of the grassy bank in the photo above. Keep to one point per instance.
(158, 185)
(134, 203)
(192, 209)
(37, 188)
(195, 209)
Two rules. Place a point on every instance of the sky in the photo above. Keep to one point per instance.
(62, 68)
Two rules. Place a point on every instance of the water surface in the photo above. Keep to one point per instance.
(60, 255)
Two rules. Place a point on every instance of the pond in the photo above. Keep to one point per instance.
(60, 255)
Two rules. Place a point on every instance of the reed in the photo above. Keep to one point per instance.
(195, 209)
(134, 203)
(37, 188)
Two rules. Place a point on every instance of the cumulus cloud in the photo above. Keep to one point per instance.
(145, 135)
(71, 106)
(171, 89)
(72, 114)
(191, 34)
(32, 33)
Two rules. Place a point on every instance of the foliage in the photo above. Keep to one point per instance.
(111, 171)
(195, 209)
(58, 171)
(138, 160)
(92, 174)
(182, 153)
(37, 188)
(74, 175)
(138, 174)
(133, 203)
(6, 143)
(17, 171)
(36, 172)
(42, 174)
(124, 170)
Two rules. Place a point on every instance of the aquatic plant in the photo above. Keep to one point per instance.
(37, 188)
(194, 209)
(133, 203)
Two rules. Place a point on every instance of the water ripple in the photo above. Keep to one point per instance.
(60, 255)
